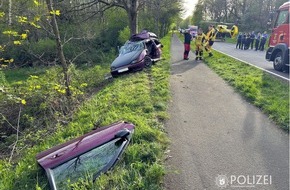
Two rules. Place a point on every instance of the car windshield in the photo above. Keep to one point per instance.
(86, 165)
(131, 46)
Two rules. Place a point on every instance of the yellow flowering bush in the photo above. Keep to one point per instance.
(55, 12)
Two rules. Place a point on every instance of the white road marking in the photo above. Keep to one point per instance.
(254, 66)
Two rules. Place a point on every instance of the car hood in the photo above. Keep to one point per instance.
(125, 59)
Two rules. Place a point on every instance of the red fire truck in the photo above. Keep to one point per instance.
(278, 50)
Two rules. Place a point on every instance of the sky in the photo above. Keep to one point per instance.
(188, 7)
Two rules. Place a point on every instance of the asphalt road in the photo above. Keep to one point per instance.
(216, 134)
(249, 56)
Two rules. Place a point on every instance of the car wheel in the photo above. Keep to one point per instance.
(277, 62)
(147, 61)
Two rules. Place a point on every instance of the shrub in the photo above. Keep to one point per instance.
(124, 35)
(45, 48)
(3, 81)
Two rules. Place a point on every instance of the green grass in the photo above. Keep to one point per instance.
(140, 98)
(263, 90)
(231, 40)
(21, 74)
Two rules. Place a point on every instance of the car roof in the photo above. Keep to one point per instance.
(144, 35)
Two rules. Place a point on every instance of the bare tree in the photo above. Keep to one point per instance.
(251, 14)
(158, 15)
(10, 13)
(132, 7)
(59, 46)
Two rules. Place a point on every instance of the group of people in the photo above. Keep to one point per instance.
(205, 41)
(202, 42)
(250, 40)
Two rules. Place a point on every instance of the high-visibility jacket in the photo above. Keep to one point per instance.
(199, 39)
(211, 34)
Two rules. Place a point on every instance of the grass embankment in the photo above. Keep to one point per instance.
(140, 98)
(265, 91)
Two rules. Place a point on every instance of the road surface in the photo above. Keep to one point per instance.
(250, 56)
(219, 140)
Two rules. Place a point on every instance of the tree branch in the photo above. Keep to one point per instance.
(93, 2)
(17, 136)
(39, 57)
(95, 13)
(78, 55)
(72, 38)
(83, 5)
(9, 123)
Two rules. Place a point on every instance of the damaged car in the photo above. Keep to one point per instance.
(85, 157)
(140, 51)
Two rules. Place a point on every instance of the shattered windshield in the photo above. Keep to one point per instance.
(87, 164)
(131, 46)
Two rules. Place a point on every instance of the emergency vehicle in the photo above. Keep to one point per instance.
(193, 30)
(278, 50)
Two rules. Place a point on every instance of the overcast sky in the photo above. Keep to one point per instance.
(188, 7)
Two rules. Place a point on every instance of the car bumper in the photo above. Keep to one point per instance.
(127, 68)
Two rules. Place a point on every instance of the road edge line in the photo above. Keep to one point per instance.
(255, 66)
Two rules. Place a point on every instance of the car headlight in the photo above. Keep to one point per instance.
(135, 61)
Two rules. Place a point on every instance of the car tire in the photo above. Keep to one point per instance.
(147, 61)
(278, 62)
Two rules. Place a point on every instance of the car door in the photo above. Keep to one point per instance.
(85, 157)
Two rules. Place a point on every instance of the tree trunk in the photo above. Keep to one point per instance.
(226, 11)
(10, 13)
(244, 7)
(59, 47)
(132, 11)
(133, 24)
(157, 21)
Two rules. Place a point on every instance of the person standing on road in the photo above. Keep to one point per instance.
(257, 41)
(210, 37)
(248, 41)
(239, 41)
(187, 40)
(263, 41)
(252, 38)
(199, 39)
(244, 39)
